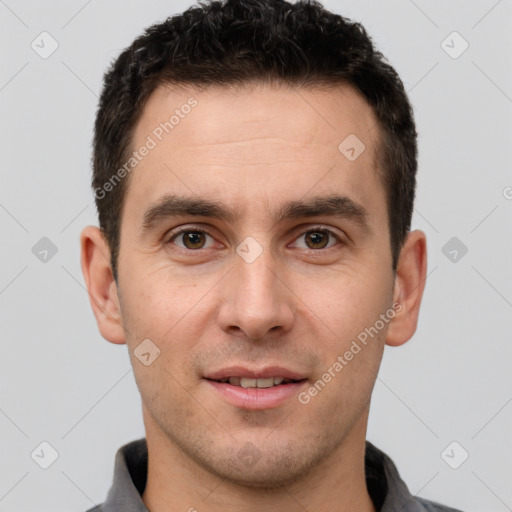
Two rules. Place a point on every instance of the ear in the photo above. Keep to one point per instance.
(410, 279)
(102, 288)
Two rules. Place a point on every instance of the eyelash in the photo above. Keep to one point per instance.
(317, 229)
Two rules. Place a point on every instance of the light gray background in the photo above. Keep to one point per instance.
(62, 383)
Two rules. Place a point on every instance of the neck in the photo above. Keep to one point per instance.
(176, 482)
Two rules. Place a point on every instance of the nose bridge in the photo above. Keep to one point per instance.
(257, 301)
(257, 280)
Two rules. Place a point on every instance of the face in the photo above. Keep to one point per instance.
(252, 247)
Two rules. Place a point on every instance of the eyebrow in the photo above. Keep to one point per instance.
(337, 206)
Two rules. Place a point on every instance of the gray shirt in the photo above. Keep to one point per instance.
(387, 490)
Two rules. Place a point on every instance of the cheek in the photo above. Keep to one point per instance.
(167, 397)
(348, 304)
(350, 363)
(173, 317)
(155, 304)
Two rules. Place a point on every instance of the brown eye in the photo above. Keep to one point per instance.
(320, 240)
(317, 239)
(191, 239)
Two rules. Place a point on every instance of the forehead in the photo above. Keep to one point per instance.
(272, 139)
(309, 115)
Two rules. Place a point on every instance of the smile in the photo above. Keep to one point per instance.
(246, 382)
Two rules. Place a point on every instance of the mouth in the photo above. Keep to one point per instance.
(260, 383)
(256, 389)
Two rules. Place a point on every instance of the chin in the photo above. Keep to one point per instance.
(268, 477)
(271, 470)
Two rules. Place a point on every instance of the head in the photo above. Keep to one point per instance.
(243, 42)
(285, 144)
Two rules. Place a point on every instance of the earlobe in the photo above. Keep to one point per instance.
(408, 290)
(102, 288)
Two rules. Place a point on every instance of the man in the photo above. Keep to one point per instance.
(254, 173)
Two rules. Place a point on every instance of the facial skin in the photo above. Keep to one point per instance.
(299, 305)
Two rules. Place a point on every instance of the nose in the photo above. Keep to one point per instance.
(257, 301)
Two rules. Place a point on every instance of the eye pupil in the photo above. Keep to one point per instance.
(316, 238)
(193, 239)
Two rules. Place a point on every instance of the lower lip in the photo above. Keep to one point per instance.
(257, 398)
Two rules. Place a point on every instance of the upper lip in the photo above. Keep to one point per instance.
(254, 373)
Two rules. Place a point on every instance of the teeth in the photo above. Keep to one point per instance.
(265, 383)
(255, 383)
(248, 383)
